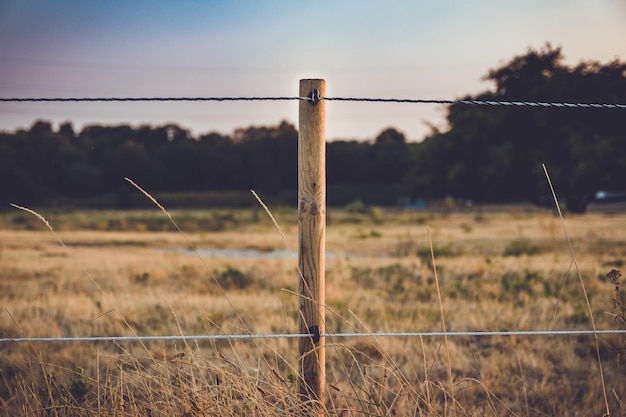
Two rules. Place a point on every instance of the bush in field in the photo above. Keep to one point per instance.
(232, 277)
(521, 246)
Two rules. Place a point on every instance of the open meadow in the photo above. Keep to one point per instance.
(132, 273)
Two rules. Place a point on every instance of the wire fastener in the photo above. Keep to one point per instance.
(314, 331)
(314, 95)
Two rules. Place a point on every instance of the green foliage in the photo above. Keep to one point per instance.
(513, 282)
(385, 162)
(617, 263)
(495, 154)
(517, 285)
(366, 234)
(377, 214)
(487, 153)
(57, 395)
(141, 278)
(356, 206)
(394, 279)
(233, 278)
(78, 387)
(521, 246)
(425, 255)
(43, 164)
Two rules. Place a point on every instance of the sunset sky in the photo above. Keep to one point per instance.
(435, 49)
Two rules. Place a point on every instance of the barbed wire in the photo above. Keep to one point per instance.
(108, 99)
(351, 99)
(479, 102)
(328, 335)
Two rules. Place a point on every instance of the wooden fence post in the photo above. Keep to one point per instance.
(311, 243)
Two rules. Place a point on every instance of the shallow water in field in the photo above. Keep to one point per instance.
(240, 253)
(256, 254)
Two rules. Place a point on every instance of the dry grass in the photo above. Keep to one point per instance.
(505, 269)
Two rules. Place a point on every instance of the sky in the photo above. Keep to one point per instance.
(423, 49)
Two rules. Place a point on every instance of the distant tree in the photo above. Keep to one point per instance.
(347, 162)
(66, 130)
(495, 153)
(389, 158)
(41, 155)
(41, 128)
(16, 181)
(385, 161)
(487, 153)
(390, 137)
(223, 168)
(269, 157)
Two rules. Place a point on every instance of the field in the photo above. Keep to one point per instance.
(132, 273)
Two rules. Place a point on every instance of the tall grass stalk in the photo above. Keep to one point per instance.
(584, 288)
(443, 319)
(191, 247)
(82, 267)
(245, 328)
(269, 213)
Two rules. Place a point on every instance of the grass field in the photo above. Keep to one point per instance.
(125, 274)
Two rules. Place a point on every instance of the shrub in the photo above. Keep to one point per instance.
(356, 206)
(377, 214)
(424, 253)
(233, 278)
(521, 246)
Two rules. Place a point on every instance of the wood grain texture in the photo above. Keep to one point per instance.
(312, 245)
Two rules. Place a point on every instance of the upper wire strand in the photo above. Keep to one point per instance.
(352, 99)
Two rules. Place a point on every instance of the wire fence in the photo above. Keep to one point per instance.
(297, 336)
(350, 99)
(328, 335)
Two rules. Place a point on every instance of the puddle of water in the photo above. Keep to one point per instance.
(254, 254)
(240, 253)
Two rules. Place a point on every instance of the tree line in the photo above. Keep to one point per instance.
(41, 164)
(486, 154)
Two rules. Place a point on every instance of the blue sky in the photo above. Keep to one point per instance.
(435, 49)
